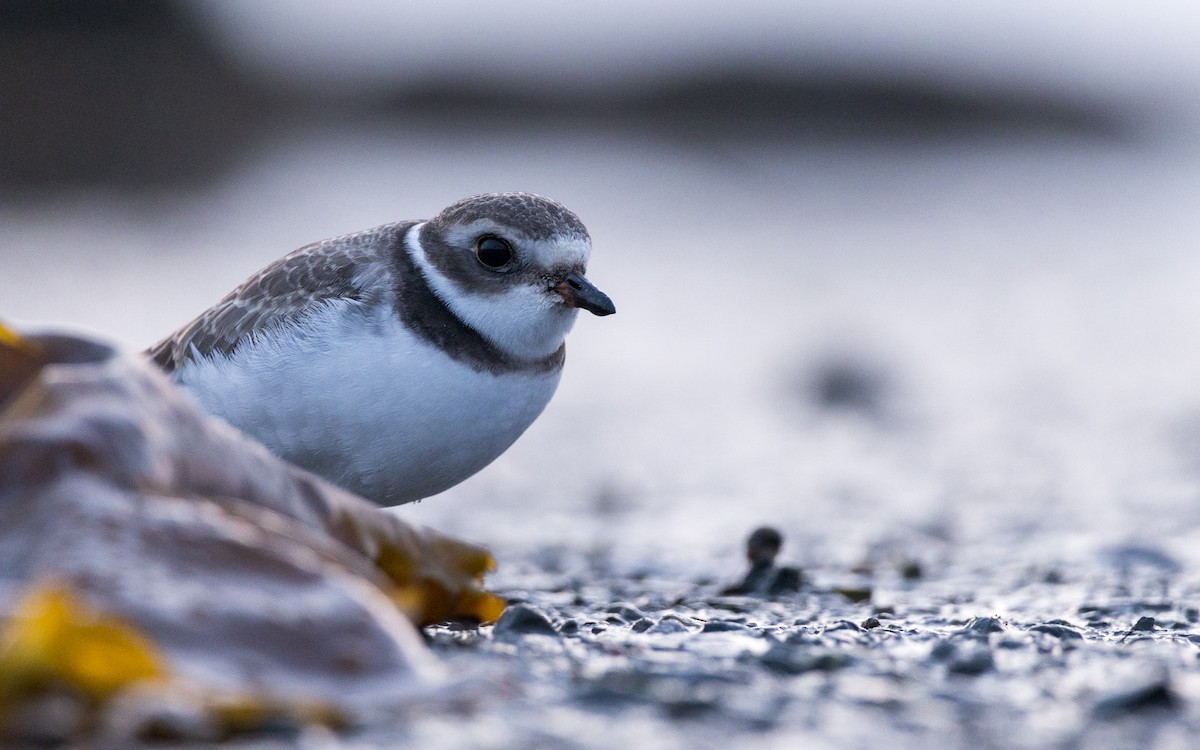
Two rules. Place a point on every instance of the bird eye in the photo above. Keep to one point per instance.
(493, 252)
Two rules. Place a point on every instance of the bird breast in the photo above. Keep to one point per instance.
(371, 407)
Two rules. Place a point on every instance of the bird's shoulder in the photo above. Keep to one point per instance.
(348, 268)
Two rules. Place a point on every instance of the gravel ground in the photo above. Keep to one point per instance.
(959, 376)
(956, 656)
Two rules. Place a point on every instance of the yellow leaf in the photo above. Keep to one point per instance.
(20, 361)
(433, 577)
(9, 337)
(54, 639)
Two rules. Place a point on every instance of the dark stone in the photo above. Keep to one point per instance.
(522, 619)
(671, 624)
(642, 625)
(842, 625)
(870, 623)
(1144, 624)
(723, 626)
(626, 611)
(984, 625)
(792, 660)
(764, 577)
(1062, 632)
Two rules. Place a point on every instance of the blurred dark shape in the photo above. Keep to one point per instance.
(837, 104)
(264, 589)
(122, 93)
(1151, 691)
(764, 578)
(911, 570)
(801, 104)
(855, 594)
(612, 499)
(129, 94)
(798, 658)
(1127, 559)
(848, 384)
(763, 545)
(964, 653)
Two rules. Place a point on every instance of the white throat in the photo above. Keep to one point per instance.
(526, 322)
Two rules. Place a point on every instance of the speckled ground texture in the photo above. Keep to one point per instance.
(960, 375)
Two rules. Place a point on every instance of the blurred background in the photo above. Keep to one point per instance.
(886, 273)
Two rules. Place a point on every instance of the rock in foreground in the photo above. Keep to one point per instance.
(256, 589)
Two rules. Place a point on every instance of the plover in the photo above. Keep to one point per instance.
(398, 361)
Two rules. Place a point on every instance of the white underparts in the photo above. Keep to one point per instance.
(354, 396)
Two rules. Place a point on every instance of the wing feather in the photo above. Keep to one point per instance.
(281, 293)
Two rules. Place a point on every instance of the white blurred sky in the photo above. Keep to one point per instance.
(1144, 51)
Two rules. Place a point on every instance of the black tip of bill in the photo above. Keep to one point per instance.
(577, 291)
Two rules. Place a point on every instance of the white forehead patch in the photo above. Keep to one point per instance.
(561, 252)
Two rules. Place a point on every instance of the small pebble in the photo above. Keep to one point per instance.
(522, 619)
(833, 627)
(723, 626)
(626, 611)
(1061, 632)
(1144, 624)
(671, 624)
(984, 625)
